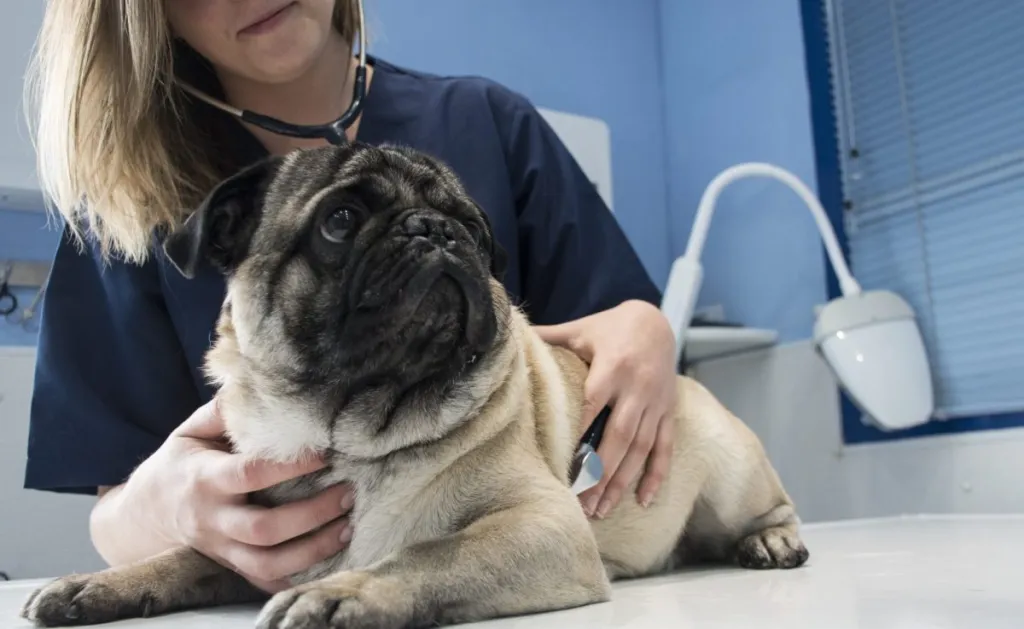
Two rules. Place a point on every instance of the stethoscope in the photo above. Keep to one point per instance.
(333, 132)
(8, 300)
(26, 317)
(586, 468)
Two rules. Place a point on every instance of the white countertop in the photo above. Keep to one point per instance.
(917, 572)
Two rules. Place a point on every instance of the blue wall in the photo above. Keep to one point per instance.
(688, 89)
(735, 91)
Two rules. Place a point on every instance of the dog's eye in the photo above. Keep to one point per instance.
(339, 224)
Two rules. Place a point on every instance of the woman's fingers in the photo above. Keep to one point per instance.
(258, 526)
(631, 464)
(659, 461)
(568, 335)
(597, 392)
(205, 423)
(618, 435)
(269, 565)
(232, 474)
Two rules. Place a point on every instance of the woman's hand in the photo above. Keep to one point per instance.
(192, 492)
(631, 352)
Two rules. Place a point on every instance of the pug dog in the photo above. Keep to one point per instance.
(364, 317)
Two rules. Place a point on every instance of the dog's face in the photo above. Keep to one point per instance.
(356, 275)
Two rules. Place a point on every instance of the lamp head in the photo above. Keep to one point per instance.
(873, 346)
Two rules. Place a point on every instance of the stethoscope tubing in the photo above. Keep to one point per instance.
(333, 132)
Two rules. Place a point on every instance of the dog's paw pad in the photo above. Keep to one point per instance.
(325, 606)
(776, 547)
(74, 600)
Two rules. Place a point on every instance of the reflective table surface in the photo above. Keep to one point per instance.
(914, 572)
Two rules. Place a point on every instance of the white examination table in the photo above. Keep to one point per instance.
(913, 572)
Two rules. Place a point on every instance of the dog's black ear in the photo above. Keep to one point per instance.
(221, 227)
(499, 260)
(496, 253)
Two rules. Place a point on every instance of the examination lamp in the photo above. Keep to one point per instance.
(869, 339)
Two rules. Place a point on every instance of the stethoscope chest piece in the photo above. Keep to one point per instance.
(586, 468)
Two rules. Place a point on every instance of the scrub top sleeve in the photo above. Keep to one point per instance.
(575, 259)
(110, 378)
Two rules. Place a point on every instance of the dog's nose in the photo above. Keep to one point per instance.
(435, 229)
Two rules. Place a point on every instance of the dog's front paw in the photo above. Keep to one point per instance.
(350, 600)
(775, 547)
(80, 599)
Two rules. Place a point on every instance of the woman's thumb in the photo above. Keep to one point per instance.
(205, 423)
(570, 336)
(560, 334)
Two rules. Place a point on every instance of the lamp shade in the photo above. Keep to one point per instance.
(873, 346)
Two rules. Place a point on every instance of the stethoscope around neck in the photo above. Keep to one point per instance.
(333, 132)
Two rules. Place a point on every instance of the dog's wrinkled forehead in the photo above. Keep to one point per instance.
(379, 177)
(259, 214)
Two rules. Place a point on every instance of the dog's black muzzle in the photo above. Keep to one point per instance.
(425, 252)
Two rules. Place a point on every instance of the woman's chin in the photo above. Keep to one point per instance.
(284, 58)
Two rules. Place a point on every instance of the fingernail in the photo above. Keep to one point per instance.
(645, 500)
(589, 505)
(346, 534)
(606, 506)
(348, 500)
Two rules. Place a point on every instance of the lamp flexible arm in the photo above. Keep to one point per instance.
(686, 275)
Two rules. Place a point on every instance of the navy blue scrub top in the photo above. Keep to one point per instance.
(121, 346)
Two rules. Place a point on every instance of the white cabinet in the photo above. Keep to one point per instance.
(589, 141)
(19, 188)
(41, 533)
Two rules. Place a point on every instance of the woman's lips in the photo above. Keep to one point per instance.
(269, 21)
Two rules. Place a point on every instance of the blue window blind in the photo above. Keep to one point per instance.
(928, 97)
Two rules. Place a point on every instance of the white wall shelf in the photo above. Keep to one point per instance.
(22, 200)
(706, 343)
(26, 273)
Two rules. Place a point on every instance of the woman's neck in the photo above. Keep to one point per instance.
(320, 95)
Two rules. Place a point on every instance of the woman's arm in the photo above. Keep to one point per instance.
(116, 538)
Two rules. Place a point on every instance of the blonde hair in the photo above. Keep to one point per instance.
(119, 152)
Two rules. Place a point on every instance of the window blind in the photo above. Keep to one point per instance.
(929, 102)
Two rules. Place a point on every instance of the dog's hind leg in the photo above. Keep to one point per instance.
(176, 580)
(744, 515)
(637, 541)
(748, 533)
